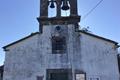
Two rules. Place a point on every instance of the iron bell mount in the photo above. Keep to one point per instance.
(65, 5)
(52, 5)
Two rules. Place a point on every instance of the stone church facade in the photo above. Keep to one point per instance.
(61, 51)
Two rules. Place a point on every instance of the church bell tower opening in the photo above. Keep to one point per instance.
(59, 5)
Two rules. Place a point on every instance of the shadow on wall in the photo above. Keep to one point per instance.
(1, 72)
(118, 61)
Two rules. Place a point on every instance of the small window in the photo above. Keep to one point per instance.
(58, 28)
(58, 44)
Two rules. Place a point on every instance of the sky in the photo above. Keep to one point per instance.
(18, 19)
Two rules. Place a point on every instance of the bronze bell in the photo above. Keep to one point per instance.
(65, 5)
(52, 4)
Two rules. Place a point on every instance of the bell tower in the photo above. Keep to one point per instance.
(65, 5)
(60, 39)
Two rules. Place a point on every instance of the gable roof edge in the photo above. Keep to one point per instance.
(116, 43)
(32, 34)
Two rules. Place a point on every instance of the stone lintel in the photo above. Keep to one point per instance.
(59, 20)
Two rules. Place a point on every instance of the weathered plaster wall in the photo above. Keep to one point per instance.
(30, 58)
(21, 60)
(99, 58)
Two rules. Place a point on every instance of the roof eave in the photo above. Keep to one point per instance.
(116, 43)
(32, 34)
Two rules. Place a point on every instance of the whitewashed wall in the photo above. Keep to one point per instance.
(30, 58)
(99, 58)
(21, 60)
